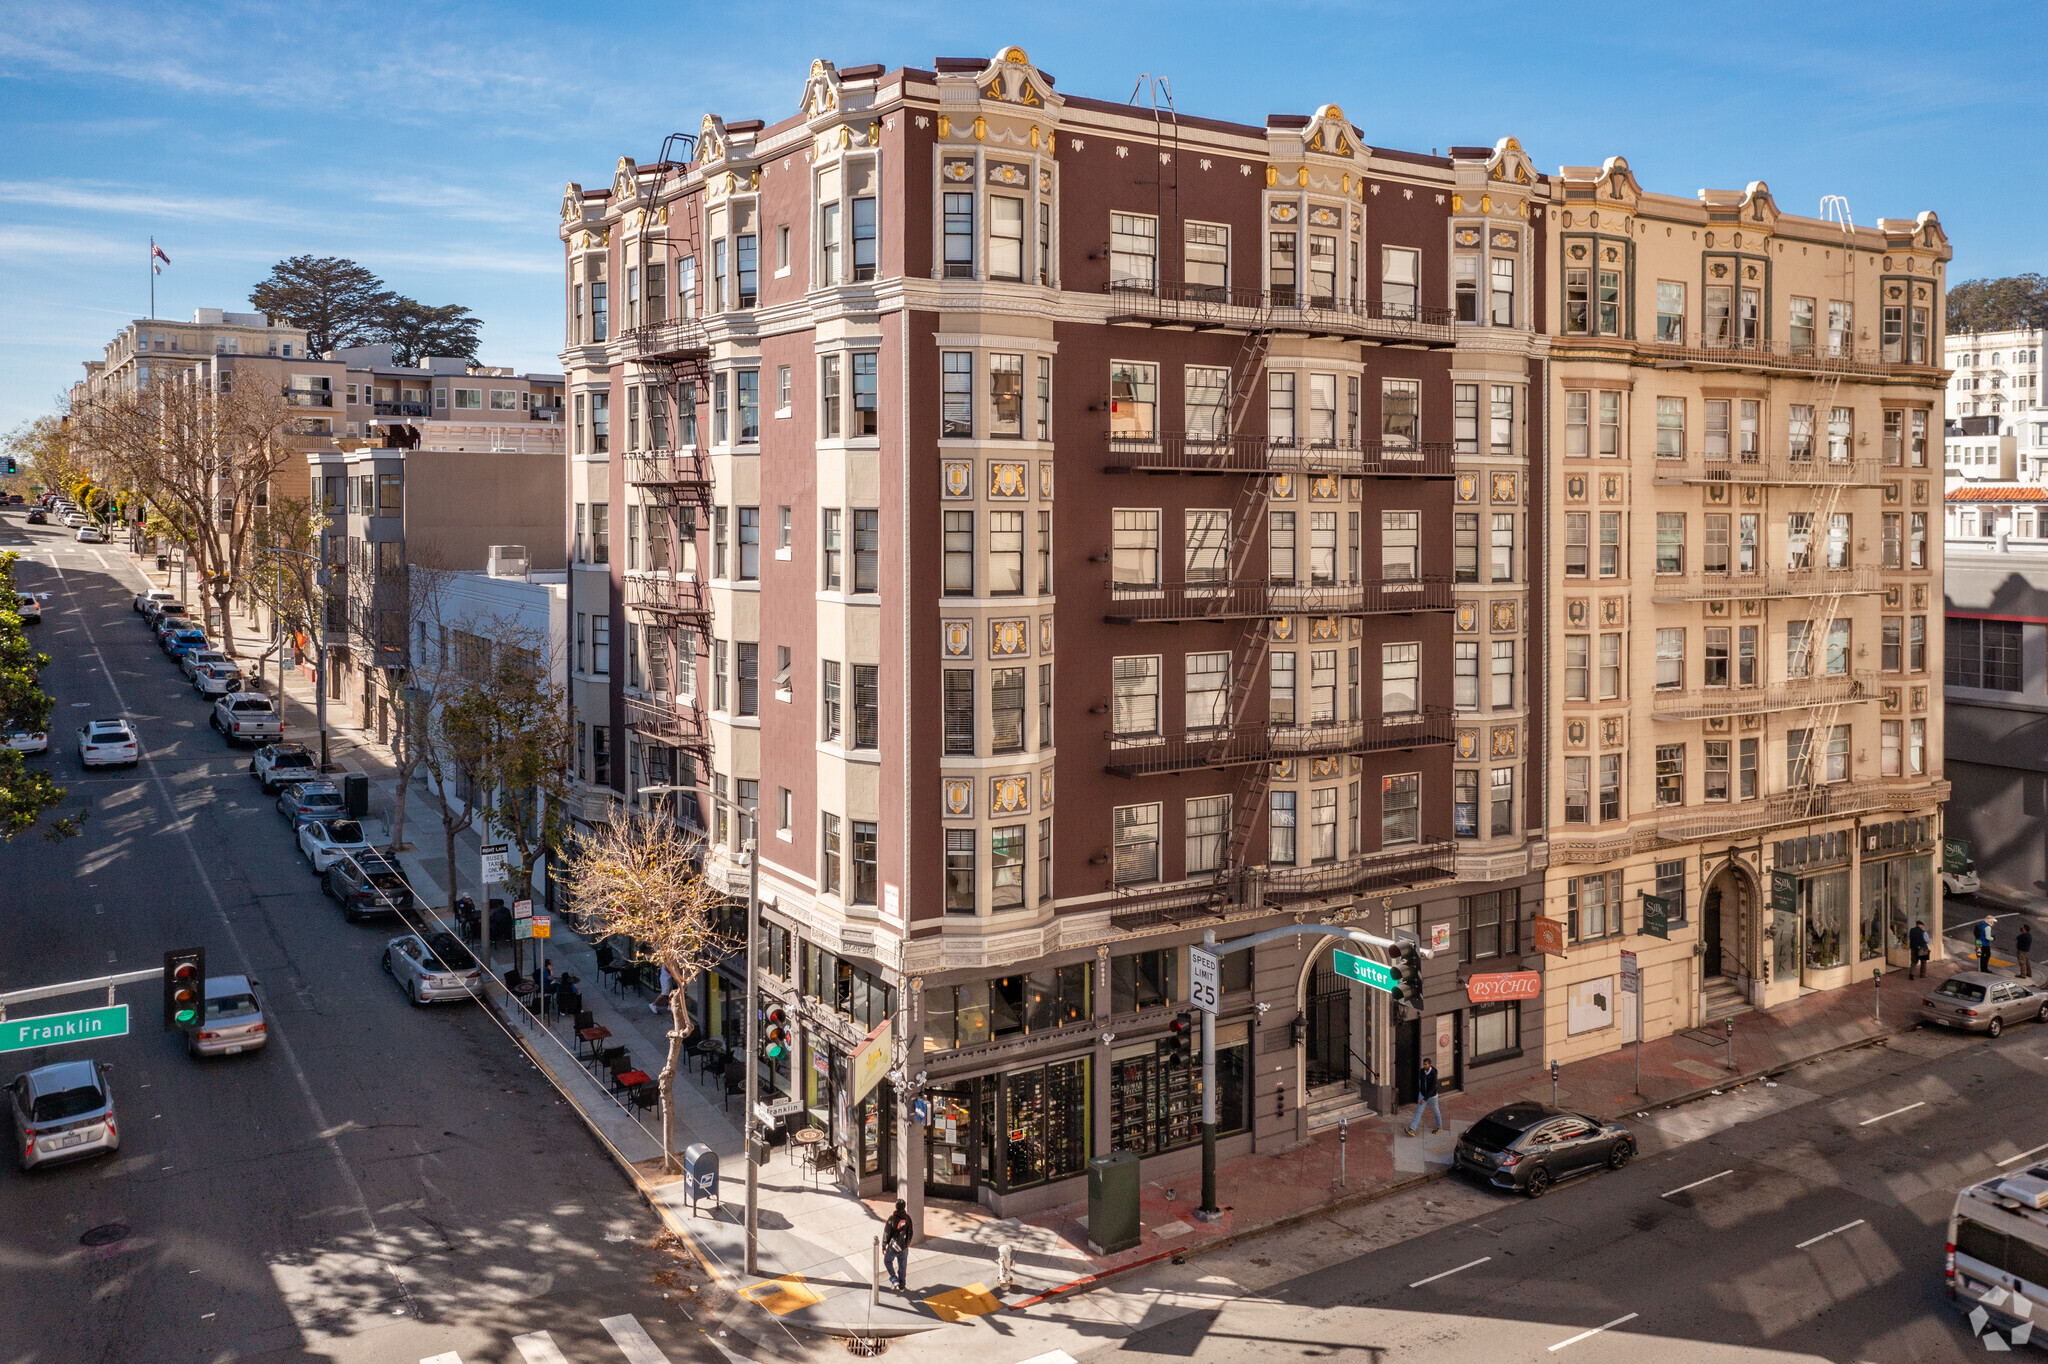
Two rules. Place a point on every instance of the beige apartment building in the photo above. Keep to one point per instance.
(1743, 588)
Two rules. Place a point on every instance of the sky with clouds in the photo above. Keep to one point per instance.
(431, 141)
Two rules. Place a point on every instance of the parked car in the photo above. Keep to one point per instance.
(215, 680)
(189, 663)
(244, 718)
(1527, 1147)
(233, 1022)
(104, 743)
(156, 596)
(63, 1111)
(26, 740)
(38, 517)
(178, 643)
(168, 625)
(435, 967)
(273, 765)
(155, 612)
(1962, 882)
(323, 841)
(90, 534)
(29, 607)
(306, 800)
(367, 885)
(1977, 1001)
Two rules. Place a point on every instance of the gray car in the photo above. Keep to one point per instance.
(233, 1022)
(432, 968)
(311, 800)
(63, 1111)
(1978, 1002)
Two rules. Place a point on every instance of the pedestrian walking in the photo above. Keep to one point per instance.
(1984, 941)
(1425, 1097)
(1922, 945)
(2024, 945)
(896, 1247)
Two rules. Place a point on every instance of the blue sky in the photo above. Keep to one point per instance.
(431, 141)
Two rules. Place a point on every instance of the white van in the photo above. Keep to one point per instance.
(1998, 1254)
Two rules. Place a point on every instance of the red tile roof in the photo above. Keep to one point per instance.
(2001, 492)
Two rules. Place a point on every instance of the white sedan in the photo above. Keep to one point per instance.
(103, 743)
(26, 740)
(89, 534)
(325, 843)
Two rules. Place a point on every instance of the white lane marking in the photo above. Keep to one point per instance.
(449, 1358)
(2010, 1160)
(1893, 1114)
(1049, 1357)
(99, 558)
(1445, 1275)
(1586, 1335)
(633, 1341)
(538, 1347)
(1696, 1183)
(1816, 1240)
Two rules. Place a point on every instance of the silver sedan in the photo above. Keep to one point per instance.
(233, 1022)
(432, 968)
(1979, 1002)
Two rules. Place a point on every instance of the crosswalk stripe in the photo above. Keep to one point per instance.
(449, 1358)
(633, 1341)
(538, 1347)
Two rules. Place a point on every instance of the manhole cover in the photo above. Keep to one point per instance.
(866, 1347)
(105, 1234)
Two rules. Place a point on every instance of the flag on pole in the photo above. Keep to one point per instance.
(156, 253)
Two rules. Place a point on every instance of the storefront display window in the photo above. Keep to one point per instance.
(963, 1015)
(1046, 1116)
(1156, 1106)
(1825, 901)
(1144, 980)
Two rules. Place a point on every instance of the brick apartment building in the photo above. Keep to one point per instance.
(1070, 528)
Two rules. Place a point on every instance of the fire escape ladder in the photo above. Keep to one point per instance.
(1823, 500)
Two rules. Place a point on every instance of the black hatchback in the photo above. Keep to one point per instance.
(366, 885)
(1527, 1147)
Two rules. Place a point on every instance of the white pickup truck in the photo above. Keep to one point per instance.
(245, 718)
(276, 765)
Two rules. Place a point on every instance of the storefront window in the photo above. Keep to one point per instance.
(961, 1015)
(1870, 910)
(1144, 980)
(1046, 1116)
(1825, 898)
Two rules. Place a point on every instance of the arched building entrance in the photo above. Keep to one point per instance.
(1727, 914)
(1340, 1021)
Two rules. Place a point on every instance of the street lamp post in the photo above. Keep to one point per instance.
(752, 1064)
(322, 579)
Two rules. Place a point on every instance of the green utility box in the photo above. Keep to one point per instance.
(1113, 1202)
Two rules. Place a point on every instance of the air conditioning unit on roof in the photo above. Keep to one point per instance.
(2028, 1190)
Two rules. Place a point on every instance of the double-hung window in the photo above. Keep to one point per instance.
(1207, 262)
(1503, 272)
(1134, 547)
(1005, 237)
(1400, 413)
(959, 230)
(1671, 311)
(1137, 844)
(1207, 399)
(1465, 420)
(1134, 252)
(1133, 400)
(1400, 281)
(1208, 691)
(1280, 407)
(1670, 659)
(1400, 549)
(1400, 679)
(956, 412)
(1465, 674)
(866, 417)
(1281, 269)
(1208, 547)
(1134, 697)
(1400, 809)
(1006, 395)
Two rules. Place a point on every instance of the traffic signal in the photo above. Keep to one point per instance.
(1408, 982)
(184, 989)
(1181, 1040)
(775, 1034)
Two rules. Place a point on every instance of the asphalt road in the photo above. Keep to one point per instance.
(382, 1185)
(1801, 1221)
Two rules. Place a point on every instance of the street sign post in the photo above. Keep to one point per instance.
(1632, 984)
(1203, 974)
(543, 926)
(54, 1030)
(1364, 970)
(492, 870)
(1657, 916)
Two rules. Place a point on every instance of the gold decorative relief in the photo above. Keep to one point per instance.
(1503, 745)
(1503, 487)
(1045, 634)
(1610, 731)
(1610, 610)
(1357, 765)
(1323, 628)
(959, 796)
(1283, 487)
(1283, 629)
(956, 638)
(1045, 788)
(1575, 610)
(1325, 767)
(1507, 241)
(1285, 769)
(1468, 744)
(956, 478)
(1503, 616)
(1045, 479)
(1575, 734)
(1008, 478)
(1468, 617)
(1610, 488)
(1322, 488)
(1468, 487)
(957, 171)
(1001, 174)
(1008, 638)
(1464, 236)
(1325, 217)
(1357, 627)
(1009, 795)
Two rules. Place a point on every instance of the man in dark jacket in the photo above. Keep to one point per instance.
(1921, 947)
(896, 1246)
(1425, 1097)
(2024, 945)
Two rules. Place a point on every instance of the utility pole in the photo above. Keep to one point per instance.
(322, 579)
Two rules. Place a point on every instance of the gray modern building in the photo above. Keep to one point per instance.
(1996, 684)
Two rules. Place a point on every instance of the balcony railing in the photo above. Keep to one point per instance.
(1774, 582)
(672, 596)
(1211, 749)
(1208, 308)
(402, 409)
(544, 414)
(1180, 452)
(678, 468)
(1773, 468)
(1728, 351)
(1258, 598)
(1798, 805)
(675, 339)
(1380, 873)
(666, 720)
(1710, 703)
(300, 397)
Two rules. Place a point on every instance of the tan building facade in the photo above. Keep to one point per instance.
(1744, 578)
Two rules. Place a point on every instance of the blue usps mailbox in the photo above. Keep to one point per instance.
(700, 1169)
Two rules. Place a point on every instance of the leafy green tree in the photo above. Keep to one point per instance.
(416, 330)
(338, 302)
(1995, 305)
(26, 791)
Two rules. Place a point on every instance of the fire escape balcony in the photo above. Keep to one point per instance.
(1801, 804)
(680, 339)
(1713, 703)
(664, 719)
(684, 471)
(1814, 581)
(1261, 598)
(1202, 307)
(1380, 873)
(667, 594)
(1774, 469)
(1196, 452)
(1721, 351)
(1204, 750)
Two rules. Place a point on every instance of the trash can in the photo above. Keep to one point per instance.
(700, 1168)
(1113, 1202)
(355, 793)
(163, 563)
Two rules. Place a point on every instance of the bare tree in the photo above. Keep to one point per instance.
(642, 879)
(203, 458)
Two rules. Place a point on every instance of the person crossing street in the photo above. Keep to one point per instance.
(1425, 1097)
